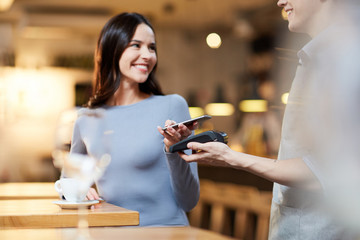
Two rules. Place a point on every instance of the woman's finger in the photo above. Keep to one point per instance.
(92, 194)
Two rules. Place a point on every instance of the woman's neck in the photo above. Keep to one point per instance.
(127, 95)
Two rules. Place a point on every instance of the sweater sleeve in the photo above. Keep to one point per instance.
(77, 144)
(184, 176)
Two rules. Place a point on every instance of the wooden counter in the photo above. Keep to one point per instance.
(111, 233)
(43, 213)
(27, 190)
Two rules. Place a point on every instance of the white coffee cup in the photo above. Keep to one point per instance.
(72, 189)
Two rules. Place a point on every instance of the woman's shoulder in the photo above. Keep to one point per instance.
(90, 112)
(86, 115)
(170, 98)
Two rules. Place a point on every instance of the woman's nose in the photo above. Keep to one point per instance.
(145, 53)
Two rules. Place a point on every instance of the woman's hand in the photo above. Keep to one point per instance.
(92, 194)
(172, 136)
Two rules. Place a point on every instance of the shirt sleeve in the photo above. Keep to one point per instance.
(316, 170)
(184, 176)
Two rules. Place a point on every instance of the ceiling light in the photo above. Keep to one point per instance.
(253, 105)
(219, 109)
(213, 40)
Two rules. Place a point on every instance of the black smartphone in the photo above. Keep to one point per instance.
(190, 121)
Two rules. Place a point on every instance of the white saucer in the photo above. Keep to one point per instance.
(73, 205)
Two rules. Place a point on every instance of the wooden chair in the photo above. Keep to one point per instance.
(262, 209)
(232, 209)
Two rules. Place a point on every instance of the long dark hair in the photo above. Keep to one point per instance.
(113, 40)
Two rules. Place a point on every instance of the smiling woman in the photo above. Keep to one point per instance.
(141, 176)
(139, 58)
(125, 56)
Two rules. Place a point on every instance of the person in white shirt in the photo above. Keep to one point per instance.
(318, 158)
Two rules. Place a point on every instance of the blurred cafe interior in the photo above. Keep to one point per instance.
(221, 56)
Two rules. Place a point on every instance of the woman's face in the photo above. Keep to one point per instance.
(139, 57)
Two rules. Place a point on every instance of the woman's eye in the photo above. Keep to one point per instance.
(152, 47)
(135, 45)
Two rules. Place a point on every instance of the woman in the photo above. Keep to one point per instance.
(141, 176)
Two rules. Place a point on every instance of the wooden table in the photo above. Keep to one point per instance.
(27, 190)
(43, 213)
(111, 233)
